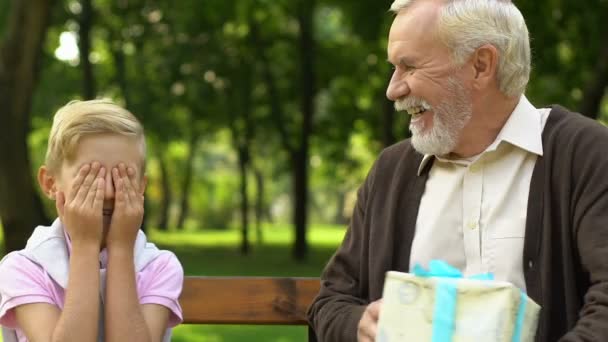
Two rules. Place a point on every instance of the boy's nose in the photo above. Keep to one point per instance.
(109, 193)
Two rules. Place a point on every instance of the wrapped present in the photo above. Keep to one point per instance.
(440, 305)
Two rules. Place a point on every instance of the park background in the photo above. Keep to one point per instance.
(262, 116)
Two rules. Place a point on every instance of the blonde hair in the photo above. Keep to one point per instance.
(79, 119)
(465, 25)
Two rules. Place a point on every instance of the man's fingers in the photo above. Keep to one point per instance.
(368, 324)
(82, 173)
(86, 185)
(367, 328)
(374, 310)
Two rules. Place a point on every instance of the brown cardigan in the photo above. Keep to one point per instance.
(565, 246)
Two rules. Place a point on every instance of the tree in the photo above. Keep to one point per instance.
(84, 45)
(20, 207)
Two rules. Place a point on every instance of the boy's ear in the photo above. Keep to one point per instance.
(47, 182)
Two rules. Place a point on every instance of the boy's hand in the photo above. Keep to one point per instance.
(81, 210)
(128, 208)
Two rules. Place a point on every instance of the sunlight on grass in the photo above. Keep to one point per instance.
(318, 235)
(228, 333)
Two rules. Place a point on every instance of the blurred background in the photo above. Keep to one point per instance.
(262, 117)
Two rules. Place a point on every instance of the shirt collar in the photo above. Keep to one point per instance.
(523, 129)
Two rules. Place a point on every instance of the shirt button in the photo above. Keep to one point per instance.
(530, 264)
(474, 168)
(472, 225)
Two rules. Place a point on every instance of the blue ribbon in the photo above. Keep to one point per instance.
(445, 299)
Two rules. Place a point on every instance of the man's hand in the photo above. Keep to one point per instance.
(366, 330)
(81, 210)
(128, 208)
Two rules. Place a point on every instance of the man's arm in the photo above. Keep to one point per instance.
(590, 221)
(337, 310)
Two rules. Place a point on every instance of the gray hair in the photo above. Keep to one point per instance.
(465, 25)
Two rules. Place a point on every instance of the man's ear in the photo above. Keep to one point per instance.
(47, 182)
(485, 64)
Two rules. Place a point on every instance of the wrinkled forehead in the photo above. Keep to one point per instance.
(418, 21)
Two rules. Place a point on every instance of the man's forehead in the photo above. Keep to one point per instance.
(417, 20)
(412, 33)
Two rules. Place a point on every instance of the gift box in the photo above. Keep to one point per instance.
(439, 305)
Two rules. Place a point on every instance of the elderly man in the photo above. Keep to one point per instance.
(488, 182)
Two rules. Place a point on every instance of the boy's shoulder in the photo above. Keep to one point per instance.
(165, 262)
(19, 271)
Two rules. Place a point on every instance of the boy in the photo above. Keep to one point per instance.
(91, 275)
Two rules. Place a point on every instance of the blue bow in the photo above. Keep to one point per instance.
(445, 299)
(440, 268)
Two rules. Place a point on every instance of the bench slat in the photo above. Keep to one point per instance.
(247, 300)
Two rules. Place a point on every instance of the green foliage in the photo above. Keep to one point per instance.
(194, 68)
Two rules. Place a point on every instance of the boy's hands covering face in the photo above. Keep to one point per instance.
(128, 207)
(81, 208)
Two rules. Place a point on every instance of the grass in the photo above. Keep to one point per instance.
(216, 253)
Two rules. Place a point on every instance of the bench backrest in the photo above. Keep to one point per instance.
(247, 300)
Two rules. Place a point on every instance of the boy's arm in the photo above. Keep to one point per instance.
(80, 213)
(79, 319)
(125, 318)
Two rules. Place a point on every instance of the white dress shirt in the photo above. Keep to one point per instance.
(473, 211)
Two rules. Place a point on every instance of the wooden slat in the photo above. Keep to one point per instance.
(247, 300)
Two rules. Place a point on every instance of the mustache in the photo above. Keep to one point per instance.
(409, 102)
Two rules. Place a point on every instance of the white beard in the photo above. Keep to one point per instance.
(449, 118)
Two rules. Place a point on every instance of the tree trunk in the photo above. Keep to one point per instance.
(84, 46)
(300, 157)
(121, 70)
(20, 207)
(166, 197)
(259, 205)
(340, 202)
(186, 185)
(243, 162)
(596, 89)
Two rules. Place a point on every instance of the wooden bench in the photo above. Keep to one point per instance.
(248, 300)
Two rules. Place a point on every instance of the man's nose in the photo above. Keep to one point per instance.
(397, 87)
(109, 192)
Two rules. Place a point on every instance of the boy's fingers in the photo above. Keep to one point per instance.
(92, 194)
(128, 191)
(60, 202)
(99, 194)
(118, 187)
(87, 184)
(82, 173)
(133, 178)
(88, 201)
